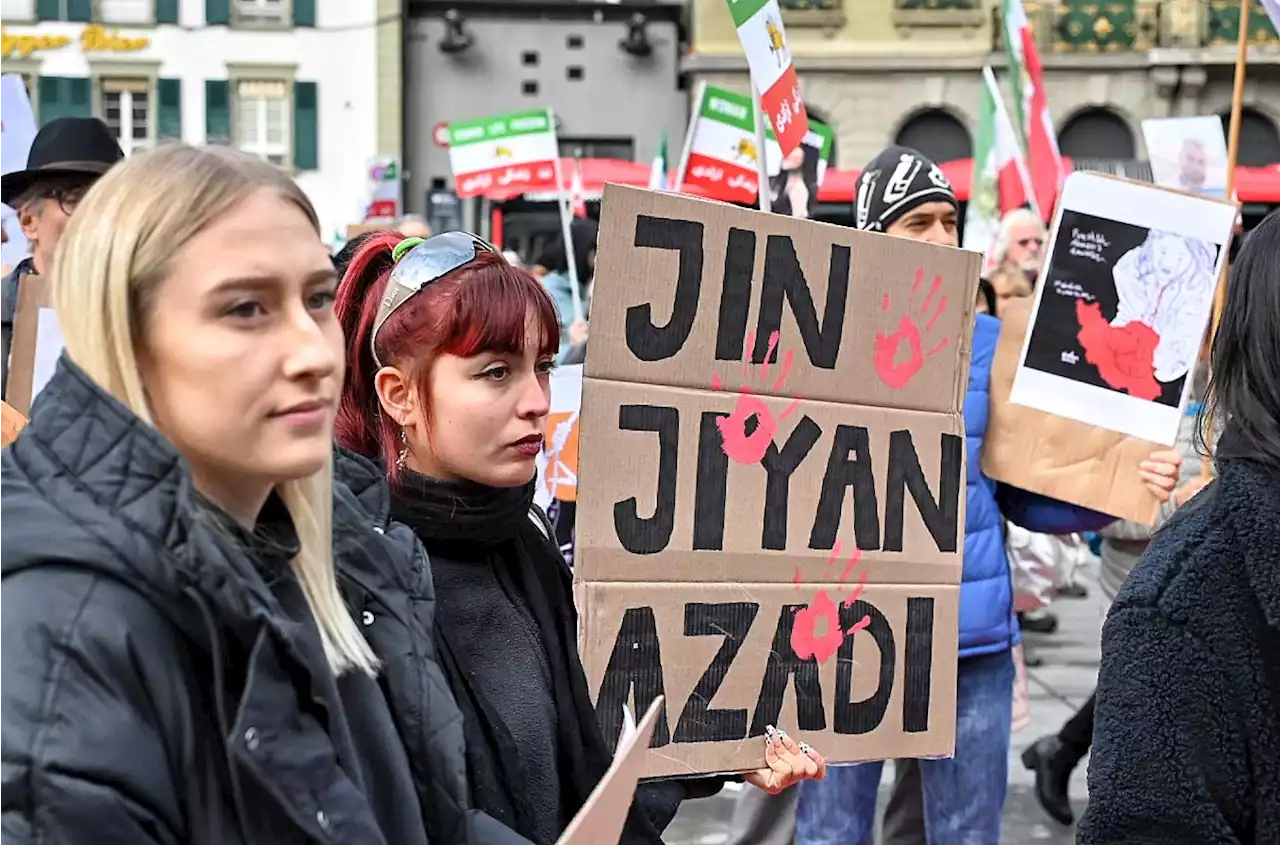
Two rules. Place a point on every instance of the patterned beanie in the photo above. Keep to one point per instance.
(893, 183)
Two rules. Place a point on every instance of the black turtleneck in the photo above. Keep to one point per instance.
(496, 647)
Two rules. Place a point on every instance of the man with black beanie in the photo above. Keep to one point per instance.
(904, 194)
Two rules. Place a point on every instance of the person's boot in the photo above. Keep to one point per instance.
(1053, 764)
(1038, 621)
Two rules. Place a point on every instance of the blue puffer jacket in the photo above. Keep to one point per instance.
(987, 621)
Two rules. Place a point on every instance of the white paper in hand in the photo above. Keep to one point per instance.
(601, 819)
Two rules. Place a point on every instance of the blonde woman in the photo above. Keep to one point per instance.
(179, 665)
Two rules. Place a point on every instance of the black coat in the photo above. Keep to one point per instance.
(389, 588)
(1186, 745)
(155, 690)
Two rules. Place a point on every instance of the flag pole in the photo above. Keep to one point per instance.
(562, 201)
(1233, 154)
(762, 166)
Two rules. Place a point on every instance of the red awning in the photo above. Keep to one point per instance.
(1253, 184)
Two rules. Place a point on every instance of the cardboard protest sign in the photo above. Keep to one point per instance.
(1123, 304)
(764, 41)
(771, 482)
(505, 150)
(1058, 457)
(11, 423)
(602, 817)
(36, 346)
(720, 157)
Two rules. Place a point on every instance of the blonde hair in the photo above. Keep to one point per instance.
(108, 265)
(1004, 234)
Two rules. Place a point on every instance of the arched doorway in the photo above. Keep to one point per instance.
(1259, 138)
(937, 134)
(1097, 133)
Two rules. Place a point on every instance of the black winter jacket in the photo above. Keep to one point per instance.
(1186, 745)
(154, 688)
(390, 590)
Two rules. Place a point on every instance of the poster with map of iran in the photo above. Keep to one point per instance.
(1122, 305)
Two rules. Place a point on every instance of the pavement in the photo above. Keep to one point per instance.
(1060, 685)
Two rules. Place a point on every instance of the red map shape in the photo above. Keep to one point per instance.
(1122, 354)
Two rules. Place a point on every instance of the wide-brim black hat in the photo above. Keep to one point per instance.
(66, 146)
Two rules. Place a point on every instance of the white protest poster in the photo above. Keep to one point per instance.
(558, 463)
(1187, 153)
(602, 817)
(1123, 304)
(17, 131)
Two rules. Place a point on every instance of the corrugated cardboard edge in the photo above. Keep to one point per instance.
(1064, 459)
(33, 294)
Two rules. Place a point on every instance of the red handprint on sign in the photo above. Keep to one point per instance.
(747, 432)
(817, 631)
(892, 372)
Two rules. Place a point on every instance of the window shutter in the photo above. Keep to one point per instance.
(48, 10)
(63, 96)
(306, 134)
(217, 111)
(217, 12)
(80, 10)
(169, 108)
(304, 12)
(166, 11)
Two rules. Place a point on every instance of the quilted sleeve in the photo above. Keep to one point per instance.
(84, 759)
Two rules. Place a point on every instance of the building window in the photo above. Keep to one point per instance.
(18, 10)
(937, 134)
(262, 119)
(262, 12)
(126, 12)
(127, 108)
(1097, 133)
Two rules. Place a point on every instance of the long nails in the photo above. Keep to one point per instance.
(771, 734)
(805, 748)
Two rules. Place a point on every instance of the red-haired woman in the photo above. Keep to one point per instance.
(449, 353)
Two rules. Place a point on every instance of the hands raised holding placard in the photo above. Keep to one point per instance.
(789, 763)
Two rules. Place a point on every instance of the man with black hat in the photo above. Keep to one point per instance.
(903, 193)
(67, 157)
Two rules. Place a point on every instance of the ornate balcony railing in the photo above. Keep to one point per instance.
(1106, 26)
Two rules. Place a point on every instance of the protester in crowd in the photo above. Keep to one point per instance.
(450, 351)
(1053, 758)
(179, 663)
(413, 226)
(902, 193)
(557, 282)
(67, 156)
(1020, 243)
(1186, 740)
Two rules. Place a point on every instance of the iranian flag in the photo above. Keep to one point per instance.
(1000, 178)
(505, 150)
(764, 41)
(658, 170)
(1032, 107)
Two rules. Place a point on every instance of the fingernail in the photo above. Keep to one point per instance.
(782, 734)
(804, 748)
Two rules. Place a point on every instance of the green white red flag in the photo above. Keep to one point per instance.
(1032, 107)
(1000, 178)
(658, 170)
(764, 41)
(506, 151)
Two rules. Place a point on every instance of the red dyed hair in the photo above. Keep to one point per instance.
(483, 306)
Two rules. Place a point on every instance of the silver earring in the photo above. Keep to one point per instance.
(404, 451)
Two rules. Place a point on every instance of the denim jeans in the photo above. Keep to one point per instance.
(963, 795)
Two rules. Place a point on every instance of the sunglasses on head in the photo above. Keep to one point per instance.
(420, 262)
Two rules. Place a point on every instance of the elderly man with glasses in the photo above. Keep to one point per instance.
(67, 156)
